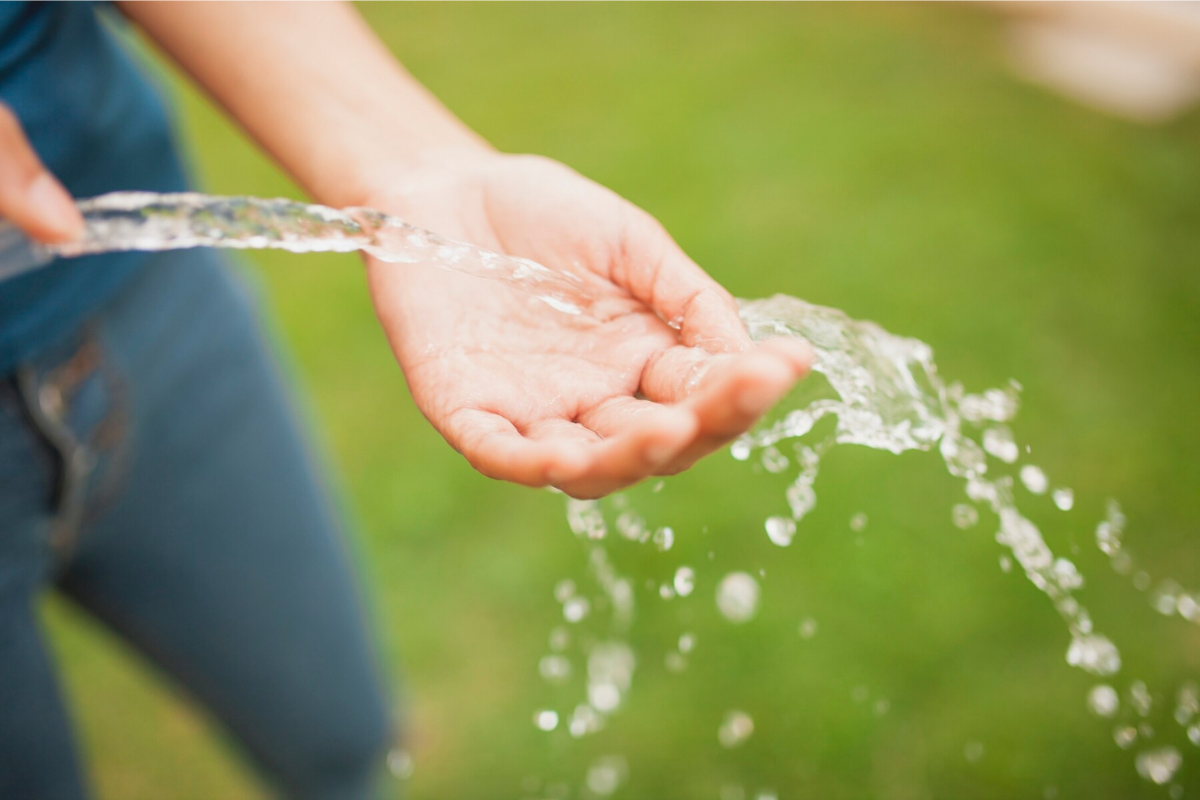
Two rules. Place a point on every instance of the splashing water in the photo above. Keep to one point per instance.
(884, 392)
(123, 221)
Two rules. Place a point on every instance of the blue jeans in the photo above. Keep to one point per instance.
(152, 471)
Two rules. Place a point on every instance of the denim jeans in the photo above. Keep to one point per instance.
(152, 471)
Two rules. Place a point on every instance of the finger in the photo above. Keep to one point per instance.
(654, 269)
(641, 438)
(29, 195)
(678, 373)
(497, 449)
(739, 390)
(733, 392)
(561, 430)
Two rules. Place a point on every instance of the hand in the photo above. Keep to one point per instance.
(29, 195)
(536, 396)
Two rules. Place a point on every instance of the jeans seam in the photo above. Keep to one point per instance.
(41, 450)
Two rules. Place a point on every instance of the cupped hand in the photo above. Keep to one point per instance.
(659, 373)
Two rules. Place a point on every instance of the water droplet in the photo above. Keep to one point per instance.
(1095, 654)
(732, 792)
(555, 669)
(560, 639)
(1188, 608)
(1108, 532)
(604, 696)
(1187, 704)
(773, 460)
(1034, 479)
(1194, 735)
(632, 527)
(400, 764)
(685, 581)
(564, 590)
(882, 706)
(606, 774)
(664, 539)
(687, 642)
(584, 720)
(999, 442)
(1158, 765)
(808, 628)
(1166, 598)
(1141, 581)
(675, 662)
(737, 597)
(735, 729)
(964, 516)
(1067, 575)
(576, 608)
(858, 522)
(1064, 499)
(780, 530)
(1125, 736)
(740, 449)
(546, 720)
(973, 752)
(801, 499)
(1005, 564)
(1103, 700)
(1140, 699)
(586, 519)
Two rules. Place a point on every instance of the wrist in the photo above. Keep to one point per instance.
(394, 171)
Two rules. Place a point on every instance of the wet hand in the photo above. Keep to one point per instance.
(588, 403)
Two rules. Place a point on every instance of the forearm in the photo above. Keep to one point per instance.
(314, 86)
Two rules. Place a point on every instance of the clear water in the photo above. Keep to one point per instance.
(880, 390)
(884, 392)
(149, 221)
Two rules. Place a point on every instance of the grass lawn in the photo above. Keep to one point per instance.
(875, 158)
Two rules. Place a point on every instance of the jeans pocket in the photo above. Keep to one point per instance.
(76, 403)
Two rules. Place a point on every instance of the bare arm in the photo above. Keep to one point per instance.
(314, 86)
(524, 392)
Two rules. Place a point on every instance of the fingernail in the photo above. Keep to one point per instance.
(53, 207)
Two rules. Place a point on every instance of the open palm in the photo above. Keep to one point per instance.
(586, 403)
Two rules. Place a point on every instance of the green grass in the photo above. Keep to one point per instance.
(875, 158)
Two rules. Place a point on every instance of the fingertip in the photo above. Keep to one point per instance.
(795, 351)
(767, 380)
(675, 432)
(52, 214)
(566, 465)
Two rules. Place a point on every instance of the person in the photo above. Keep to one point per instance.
(151, 469)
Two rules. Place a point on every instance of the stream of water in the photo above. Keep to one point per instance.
(124, 221)
(882, 391)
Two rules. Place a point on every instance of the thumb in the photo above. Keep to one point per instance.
(656, 271)
(29, 195)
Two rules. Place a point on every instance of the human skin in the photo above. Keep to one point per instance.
(587, 404)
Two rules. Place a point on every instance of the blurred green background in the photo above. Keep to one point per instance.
(880, 159)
